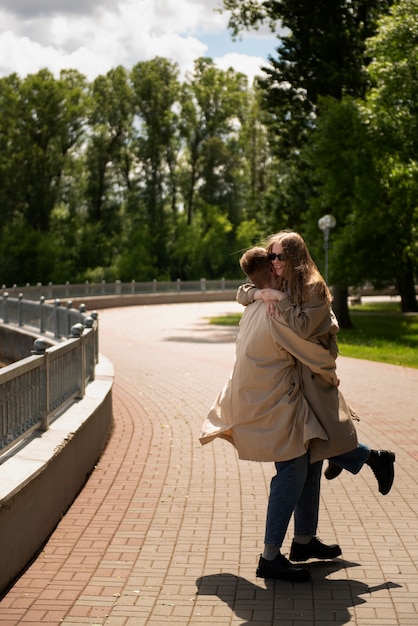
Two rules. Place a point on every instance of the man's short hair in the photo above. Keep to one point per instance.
(256, 265)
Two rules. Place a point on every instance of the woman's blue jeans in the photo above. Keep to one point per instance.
(354, 460)
(293, 490)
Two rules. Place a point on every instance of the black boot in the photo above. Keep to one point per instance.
(332, 471)
(281, 569)
(382, 464)
(315, 549)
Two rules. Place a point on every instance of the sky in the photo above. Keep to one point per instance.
(94, 36)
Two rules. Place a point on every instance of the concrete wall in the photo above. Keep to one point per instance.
(109, 302)
(40, 480)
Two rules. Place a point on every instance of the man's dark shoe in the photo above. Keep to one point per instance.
(332, 471)
(281, 569)
(315, 549)
(382, 464)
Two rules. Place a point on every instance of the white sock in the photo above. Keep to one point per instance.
(270, 552)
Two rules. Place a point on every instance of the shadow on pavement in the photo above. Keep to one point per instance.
(320, 601)
(207, 334)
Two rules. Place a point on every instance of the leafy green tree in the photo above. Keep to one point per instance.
(10, 155)
(156, 95)
(365, 155)
(258, 166)
(110, 127)
(321, 53)
(213, 104)
(41, 122)
(51, 121)
(393, 112)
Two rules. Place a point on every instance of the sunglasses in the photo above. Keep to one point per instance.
(279, 257)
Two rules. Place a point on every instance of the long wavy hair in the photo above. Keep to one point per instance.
(301, 276)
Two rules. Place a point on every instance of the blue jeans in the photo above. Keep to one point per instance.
(354, 460)
(293, 490)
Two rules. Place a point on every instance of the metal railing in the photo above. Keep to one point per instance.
(37, 389)
(41, 315)
(87, 289)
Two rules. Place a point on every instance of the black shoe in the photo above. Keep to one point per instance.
(382, 464)
(282, 569)
(315, 549)
(332, 471)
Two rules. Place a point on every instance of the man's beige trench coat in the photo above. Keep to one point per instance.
(261, 409)
(314, 323)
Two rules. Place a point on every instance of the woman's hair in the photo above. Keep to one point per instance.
(300, 274)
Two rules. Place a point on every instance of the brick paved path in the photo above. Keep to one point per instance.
(168, 532)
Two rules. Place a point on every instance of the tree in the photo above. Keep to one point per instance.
(365, 158)
(51, 121)
(10, 157)
(213, 103)
(156, 88)
(321, 54)
(110, 127)
(393, 111)
(41, 124)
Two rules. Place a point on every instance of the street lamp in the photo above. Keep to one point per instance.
(325, 224)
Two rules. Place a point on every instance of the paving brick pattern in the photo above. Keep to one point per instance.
(169, 532)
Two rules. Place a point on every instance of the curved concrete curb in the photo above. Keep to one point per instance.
(39, 482)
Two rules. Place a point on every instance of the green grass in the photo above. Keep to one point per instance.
(380, 333)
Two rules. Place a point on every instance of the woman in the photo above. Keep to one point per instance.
(303, 301)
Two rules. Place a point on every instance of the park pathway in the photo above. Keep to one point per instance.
(169, 532)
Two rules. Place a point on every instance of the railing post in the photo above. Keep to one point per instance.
(223, 284)
(95, 316)
(41, 314)
(5, 311)
(82, 310)
(154, 285)
(118, 288)
(89, 323)
(57, 304)
(20, 309)
(77, 333)
(132, 286)
(203, 284)
(40, 348)
(178, 285)
(69, 306)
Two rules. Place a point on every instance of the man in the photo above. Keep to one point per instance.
(264, 414)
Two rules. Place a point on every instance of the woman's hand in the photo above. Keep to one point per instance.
(269, 294)
(270, 297)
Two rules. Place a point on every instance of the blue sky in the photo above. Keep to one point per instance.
(221, 43)
(94, 36)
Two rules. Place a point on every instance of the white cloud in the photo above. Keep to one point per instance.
(94, 36)
(242, 63)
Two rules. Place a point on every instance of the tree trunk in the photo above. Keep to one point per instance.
(406, 287)
(340, 306)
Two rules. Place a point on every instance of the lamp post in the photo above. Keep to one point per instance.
(325, 224)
